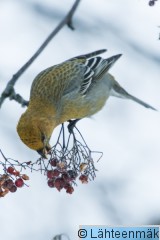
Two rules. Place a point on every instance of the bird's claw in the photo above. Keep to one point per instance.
(71, 125)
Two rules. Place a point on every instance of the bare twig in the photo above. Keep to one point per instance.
(18, 98)
(9, 91)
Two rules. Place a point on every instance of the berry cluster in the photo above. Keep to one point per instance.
(70, 160)
(152, 2)
(11, 180)
(61, 177)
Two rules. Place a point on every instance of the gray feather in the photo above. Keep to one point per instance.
(118, 91)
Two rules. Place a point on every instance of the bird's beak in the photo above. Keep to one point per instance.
(43, 152)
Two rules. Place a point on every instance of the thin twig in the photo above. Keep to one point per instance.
(18, 98)
(9, 90)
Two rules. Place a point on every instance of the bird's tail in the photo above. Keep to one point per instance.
(118, 91)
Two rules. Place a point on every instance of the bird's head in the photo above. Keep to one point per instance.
(35, 133)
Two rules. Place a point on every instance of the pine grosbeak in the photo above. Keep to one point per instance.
(74, 89)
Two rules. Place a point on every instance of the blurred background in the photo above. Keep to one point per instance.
(126, 189)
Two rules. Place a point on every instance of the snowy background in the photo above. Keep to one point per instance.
(126, 190)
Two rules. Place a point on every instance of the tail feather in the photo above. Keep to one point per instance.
(141, 102)
(118, 91)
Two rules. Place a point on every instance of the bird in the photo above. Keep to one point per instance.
(72, 90)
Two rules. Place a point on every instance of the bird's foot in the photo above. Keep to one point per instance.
(72, 124)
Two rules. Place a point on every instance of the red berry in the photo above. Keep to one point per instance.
(56, 173)
(19, 182)
(70, 190)
(50, 183)
(59, 183)
(53, 162)
(83, 178)
(10, 170)
(50, 174)
(13, 189)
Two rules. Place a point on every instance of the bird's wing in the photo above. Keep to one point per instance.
(86, 70)
(74, 75)
(90, 66)
(95, 68)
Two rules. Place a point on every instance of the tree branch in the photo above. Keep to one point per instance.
(9, 91)
(18, 98)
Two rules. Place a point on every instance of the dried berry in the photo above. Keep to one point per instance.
(83, 178)
(70, 190)
(8, 184)
(83, 167)
(25, 177)
(62, 165)
(3, 193)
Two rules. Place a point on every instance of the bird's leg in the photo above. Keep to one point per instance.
(72, 124)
